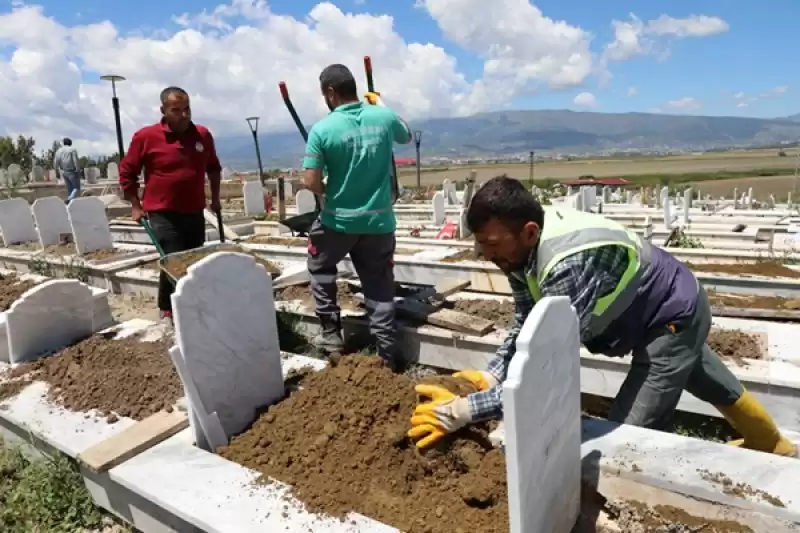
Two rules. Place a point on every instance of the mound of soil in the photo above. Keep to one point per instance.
(752, 301)
(178, 266)
(100, 255)
(770, 269)
(464, 255)
(346, 296)
(11, 288)
(500, 312)
(124, 377)
(340, 443)
(735, 345)
(284, 241)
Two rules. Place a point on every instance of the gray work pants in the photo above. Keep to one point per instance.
(667, 363)
(373, 259)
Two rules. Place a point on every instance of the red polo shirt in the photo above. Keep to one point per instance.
(175, 166)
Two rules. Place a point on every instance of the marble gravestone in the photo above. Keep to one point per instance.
(52, 175)
(304, 200)
(16, 222)
(37, 174)
(14, 175)
(87, 217)
(112, 171)
(52, 220)
(253, 194)
(542, 418)
(438, 208)
(3, 177)
(446, 190)
(91, 174)
(227, 338)
(64, 306)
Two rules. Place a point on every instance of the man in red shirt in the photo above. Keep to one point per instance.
(176, 154)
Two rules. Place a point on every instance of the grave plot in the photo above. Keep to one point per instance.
(769, 269)
(295, 242)
(178, 264)
(348, 297)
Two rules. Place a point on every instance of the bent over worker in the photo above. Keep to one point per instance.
(353, 143)
(630, 297)
(175, 154)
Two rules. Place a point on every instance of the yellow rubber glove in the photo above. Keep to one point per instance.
(374, 98)
(444, 414)
(482, 380)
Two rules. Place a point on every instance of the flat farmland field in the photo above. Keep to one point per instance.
(608, 168)
(763, 186)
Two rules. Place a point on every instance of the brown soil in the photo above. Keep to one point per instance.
(500, 312)
(735, 345)
(178, 266)
(285, 241)
(28, 246)
(124, 377)
(752, 301)
(770, 269)
(346, 298)
(740, 490)
(340, 443)
(636, 517)
(464, 255)
(99, 255)
(60, 249)
(11, 288)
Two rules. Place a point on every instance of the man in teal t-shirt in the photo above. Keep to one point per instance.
(353, 145)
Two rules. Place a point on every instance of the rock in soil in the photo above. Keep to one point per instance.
(340, 442)
(11, 288)
(735, 345)
(770, 269)
(501, 312)
(124, 377)
(178, 266)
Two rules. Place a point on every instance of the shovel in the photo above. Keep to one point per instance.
(371, 88)
(300, 224)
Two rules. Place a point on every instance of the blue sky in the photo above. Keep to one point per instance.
(753, 57)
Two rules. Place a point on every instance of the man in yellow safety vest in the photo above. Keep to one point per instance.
(630, 297)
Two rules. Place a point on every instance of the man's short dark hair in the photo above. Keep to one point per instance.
(507, 200)
(172, 90)
(66, 141)
(340, 79)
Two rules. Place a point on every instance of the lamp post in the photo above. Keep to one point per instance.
(530, 173)
(114, 78)
(417, 143)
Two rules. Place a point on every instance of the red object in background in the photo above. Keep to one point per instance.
(448, 231)
(267, 203)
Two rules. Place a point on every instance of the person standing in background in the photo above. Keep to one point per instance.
(68, 167)
(175, 154)
(353, 143)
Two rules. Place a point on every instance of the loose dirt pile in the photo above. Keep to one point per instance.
(740, 490)
(340, 443)
(11, 288)
(179, 265)
(498, 311)
(636, 517)
(770, 269)
(735, 345)
(464, 255)
(124, 377)
(346, 296)
(752, 301)
(285, 241)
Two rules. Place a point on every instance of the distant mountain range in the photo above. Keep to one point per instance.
(513, 132)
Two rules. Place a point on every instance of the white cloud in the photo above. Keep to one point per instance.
(230, 59)
(685, 104)
(742, 99)
(521, 47)
(634, 37)
(586, 100)
(633, 91)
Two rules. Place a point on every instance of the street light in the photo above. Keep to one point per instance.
(253, 123)
(113, 78)
(417, 142)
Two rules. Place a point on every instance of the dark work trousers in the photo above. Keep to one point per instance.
(373, 260)
(175, 232)
(674, 358)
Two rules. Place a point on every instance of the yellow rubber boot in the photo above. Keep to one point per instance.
(751, 420)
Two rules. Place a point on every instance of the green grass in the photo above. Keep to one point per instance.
(43, 495)
(676, 179)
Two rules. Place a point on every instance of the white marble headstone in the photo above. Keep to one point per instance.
(52, 220)
(452, 195)
(736, 198)
(771, 201)
(446, 190)
(87, 216)
(648, 229)
(3, 177)
(463, 228)
(541, 412)
(91, 174)
(14, 174)
(37, 174)
(667, 213)
(48, 317)
(438, 208)
(226, 329)
(112, 171)
(16, 222)
(52, 175)
(629, 197)
(253, 198)
(304, 200)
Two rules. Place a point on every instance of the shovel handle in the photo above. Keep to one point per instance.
(149, 230)
(368, 70)
(220, 228)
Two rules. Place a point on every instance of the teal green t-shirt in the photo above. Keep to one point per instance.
(354, 145)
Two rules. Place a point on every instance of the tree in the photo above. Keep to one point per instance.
(18, 152)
